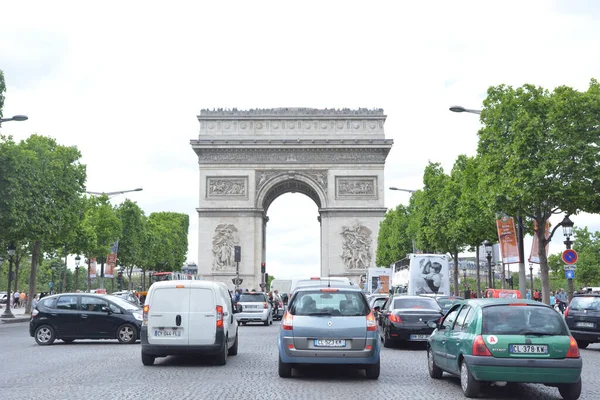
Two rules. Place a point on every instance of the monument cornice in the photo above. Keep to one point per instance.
(316, 155)
(291, 113)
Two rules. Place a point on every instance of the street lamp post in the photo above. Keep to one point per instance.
(112, 194)
(2, 262)
(77, 261)
(7, 311)
(522, 273)
(567, 225)
(531, 278)
(488, 251)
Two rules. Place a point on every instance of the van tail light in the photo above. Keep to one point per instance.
(573, 349)
(219, 316)
(288, 322)
(395, 318)
(265, 305)
(567, 311)
(146, 309)
(371, 325)
(479, 347)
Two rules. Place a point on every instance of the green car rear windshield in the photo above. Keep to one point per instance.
(519, 320)
(338, 303)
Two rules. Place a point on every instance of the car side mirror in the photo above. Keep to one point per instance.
(377, 309)
(106, 310)
(238, 308)
(433, 324)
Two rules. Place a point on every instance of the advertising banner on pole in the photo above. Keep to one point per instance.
(507, 236)
(111, 261)
(535, 257)
(93, 267)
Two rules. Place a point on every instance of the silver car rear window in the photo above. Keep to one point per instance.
(338, 303)
(252, 298)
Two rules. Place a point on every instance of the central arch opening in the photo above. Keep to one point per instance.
(293, 238)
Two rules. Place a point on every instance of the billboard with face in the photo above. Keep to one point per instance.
(429, 274)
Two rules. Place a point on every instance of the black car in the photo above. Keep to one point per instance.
(71, 316)
(404, 318)
(583, 319)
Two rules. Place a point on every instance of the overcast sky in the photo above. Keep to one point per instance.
(124, 82)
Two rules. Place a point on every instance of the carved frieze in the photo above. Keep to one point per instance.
(227, 187)
(356, 246)
(226, 237)
(319, 176)
(302, 156)
(291, 111)
(356, 186)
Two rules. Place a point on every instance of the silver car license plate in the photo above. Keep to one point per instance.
(330, 343)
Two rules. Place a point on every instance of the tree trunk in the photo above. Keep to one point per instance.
(65, 277)
(35, 258)
(129, 273)
(478, 267)
(456, 288)
(541, 235)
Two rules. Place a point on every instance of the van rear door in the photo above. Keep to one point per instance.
(203, 316)
(168, 317)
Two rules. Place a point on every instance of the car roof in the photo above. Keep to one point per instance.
(494, 302)
(344, 288)
(586, 295)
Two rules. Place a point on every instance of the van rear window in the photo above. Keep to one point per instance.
(170, 300)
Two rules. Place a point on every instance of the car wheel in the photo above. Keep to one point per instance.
(470, 386)
(582, 344)
(147, 359)
(434, 371)
(234, 349)
(386, 342)
(372, 371)
(44, 335)
(68, 340)
(570, 391)
(285, 370)
(222, 356)
(126, 334)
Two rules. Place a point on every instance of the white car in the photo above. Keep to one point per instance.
(186, 318)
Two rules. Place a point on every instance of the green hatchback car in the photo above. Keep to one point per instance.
(500, 341)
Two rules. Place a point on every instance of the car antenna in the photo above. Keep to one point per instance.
(328, 276)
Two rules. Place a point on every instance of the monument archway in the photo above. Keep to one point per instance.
(249, 158)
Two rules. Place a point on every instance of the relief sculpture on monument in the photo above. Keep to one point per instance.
(356, 187)
(225, 239)
(226, 187)
(356, 248)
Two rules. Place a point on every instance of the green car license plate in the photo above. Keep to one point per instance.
(528, 349)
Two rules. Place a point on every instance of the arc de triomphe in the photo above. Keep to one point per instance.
(249, 158)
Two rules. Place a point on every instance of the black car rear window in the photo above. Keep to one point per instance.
(519, 320)
(585, 303)
(338, 303)
(429, 304)
(447, 303)
(252, 298)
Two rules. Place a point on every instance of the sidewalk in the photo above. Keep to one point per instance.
(19, 314)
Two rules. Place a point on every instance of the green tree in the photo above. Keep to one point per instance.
(165, 245)
(2, 91)
(394, 241)
(539, 155)
(40, 185)
(588, 262)
(134, 222)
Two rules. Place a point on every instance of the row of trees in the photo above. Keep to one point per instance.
(537, 156)
(45, 213)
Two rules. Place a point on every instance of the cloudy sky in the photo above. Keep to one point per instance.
(124, 81)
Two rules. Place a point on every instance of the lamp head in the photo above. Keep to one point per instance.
(77, 260)
(488, 246)
(11, 249)
(567, 225)
(457, 109)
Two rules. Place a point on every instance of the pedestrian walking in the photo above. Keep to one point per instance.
(16, 297)
(22, 299)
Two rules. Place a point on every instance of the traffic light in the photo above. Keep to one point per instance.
(237, 253)
(119, 279)
(263, 268)
(266, 278)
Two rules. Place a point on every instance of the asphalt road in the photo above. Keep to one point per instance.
(108, 370)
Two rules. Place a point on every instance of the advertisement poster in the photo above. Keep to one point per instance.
(92, 267)
(535, 257)
(111, 261)
(429, 274)
(379, 280)
(507, 237)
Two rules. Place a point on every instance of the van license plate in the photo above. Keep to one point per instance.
(528, 349)
(419, 337)
(330, 343)
(167, 332)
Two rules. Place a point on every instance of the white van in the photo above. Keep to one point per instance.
(281, 285)
(188, 317)
(320, 281)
